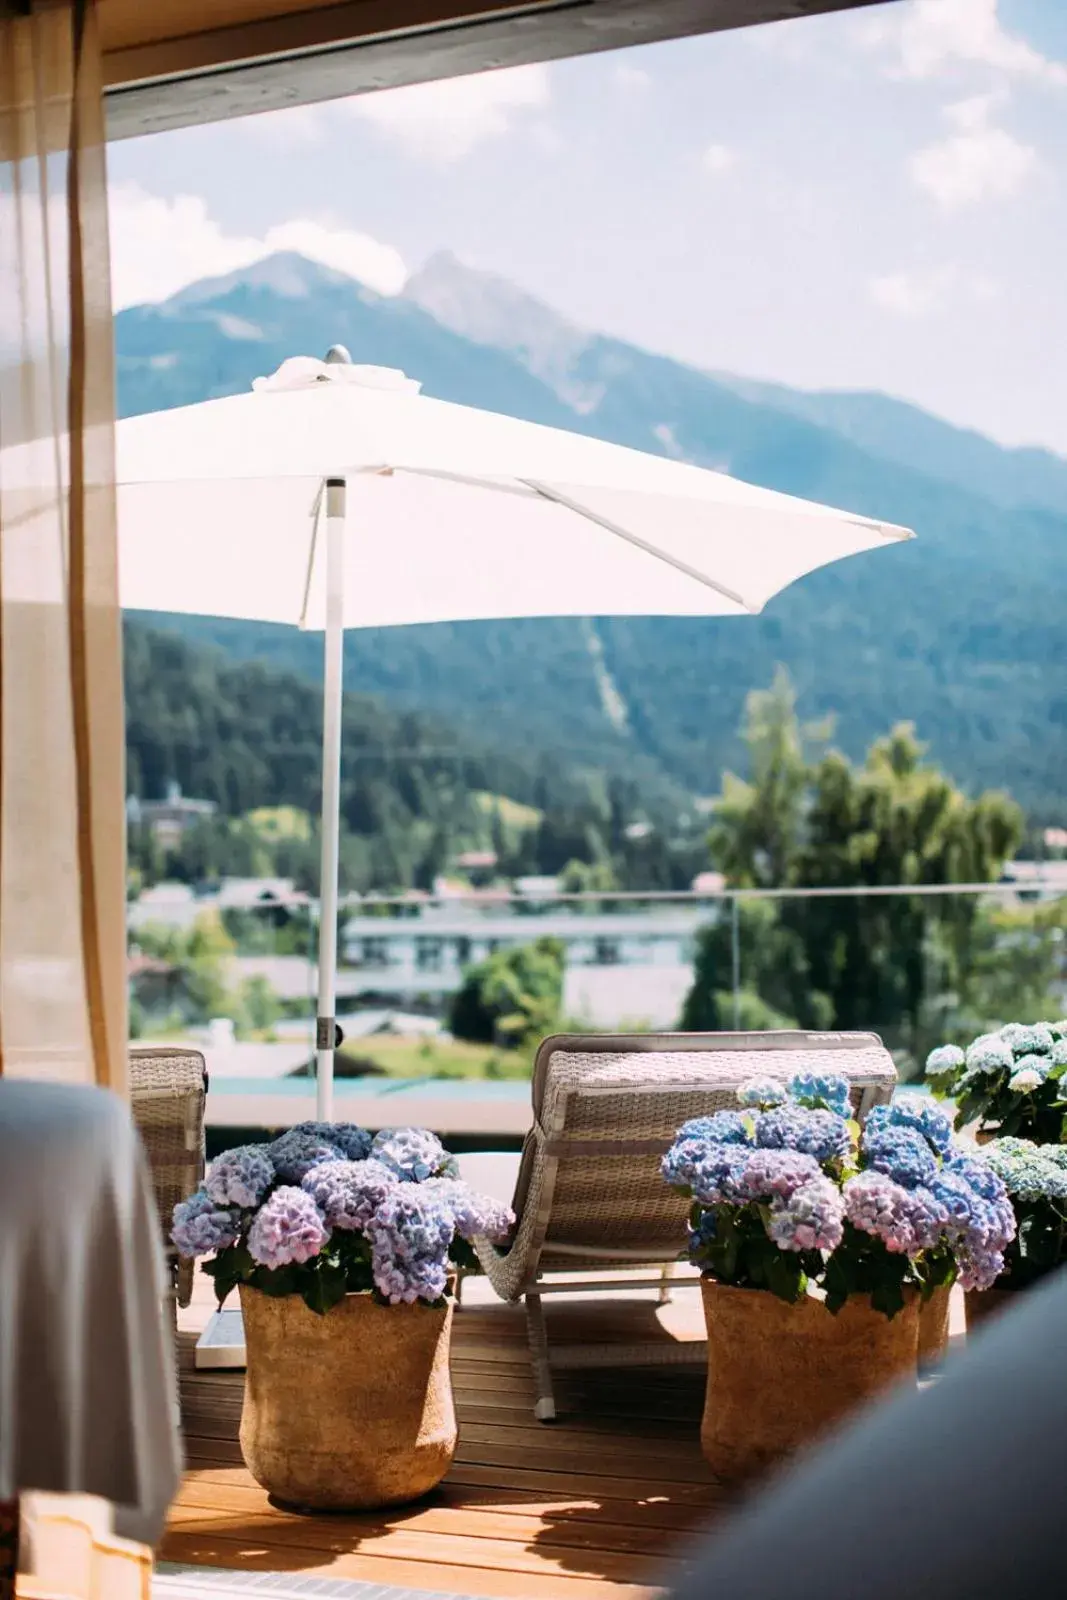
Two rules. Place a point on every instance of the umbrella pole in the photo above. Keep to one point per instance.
(326, 1022)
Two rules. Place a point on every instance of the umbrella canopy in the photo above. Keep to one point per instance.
(453, 514)
(338, 496)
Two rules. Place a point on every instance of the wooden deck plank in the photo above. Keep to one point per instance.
(231, 1487)
(597, 1506)
(429, 1545)
(494, 1584)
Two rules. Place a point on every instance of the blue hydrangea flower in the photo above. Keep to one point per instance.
(946, 1058)
(1059, 1029)
(201, 1225)
(772, 1175)
(414, 1154)
(347, 1138)
(697, 1136)
(240, 1177)
(974, 1169)
(978, 1269)
(722, 1127)
(826, 1090)
(475, 1216)
(1058, 1055)
(812, 1218)
(761, 1092)
(819, 1133)
(410, 1235)
(289, 1229)
(680, 1162)
(348, 1193)
(296, 1152)
(964, 1206)
(907, 1221)
(913, 1111)
(988, 1055)
(1028, 1038)
(902, 1154)
(976, 1228)
(716, 1175)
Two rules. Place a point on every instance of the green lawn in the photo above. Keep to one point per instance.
(433, 1058)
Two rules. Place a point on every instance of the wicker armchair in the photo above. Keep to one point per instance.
(589, 1196)
(168, 1090)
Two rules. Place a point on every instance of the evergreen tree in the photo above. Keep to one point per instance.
(862, 961)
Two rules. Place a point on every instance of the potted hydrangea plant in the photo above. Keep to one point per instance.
(1035, 1177)
(1008, 1082)
(815, 1243)
(345, 1249)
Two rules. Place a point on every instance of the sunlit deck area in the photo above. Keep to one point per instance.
(602, 1502)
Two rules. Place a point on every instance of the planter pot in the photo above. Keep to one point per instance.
(350, 1410)
(984, 1303)
(934, 1316)
(780, 1375)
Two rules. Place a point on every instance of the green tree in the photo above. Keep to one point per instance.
(758, 826)
(512, 996)
(1018, 962)
(855, 961)
(259, 1005)
(202, 954)
(588, 877)
(776, 988)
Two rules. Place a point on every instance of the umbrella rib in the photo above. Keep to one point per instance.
(568, 504)
(315, 512)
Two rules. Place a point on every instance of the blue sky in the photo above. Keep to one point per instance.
(875, 199)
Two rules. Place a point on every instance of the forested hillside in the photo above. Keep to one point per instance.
(415, 792)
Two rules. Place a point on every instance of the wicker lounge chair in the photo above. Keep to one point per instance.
(589, 1197)
(168, 1089)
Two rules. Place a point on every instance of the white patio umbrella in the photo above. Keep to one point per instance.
(338, 496)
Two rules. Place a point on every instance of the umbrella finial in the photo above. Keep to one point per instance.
(338, 356)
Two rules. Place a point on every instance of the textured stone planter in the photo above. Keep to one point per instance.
(984, 1303)
(780, 1375)
(350, 1410)
(933, 1327)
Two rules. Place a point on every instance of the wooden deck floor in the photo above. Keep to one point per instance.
(597, 1504)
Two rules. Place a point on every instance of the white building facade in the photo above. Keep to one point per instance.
(621, 966)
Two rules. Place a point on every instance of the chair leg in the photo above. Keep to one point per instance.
(666, 1292)
(545, 1405)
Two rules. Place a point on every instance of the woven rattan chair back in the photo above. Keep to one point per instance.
(168, 1092)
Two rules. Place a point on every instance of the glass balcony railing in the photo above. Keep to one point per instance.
(917, 965)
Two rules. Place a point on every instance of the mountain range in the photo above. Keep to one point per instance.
(958, 631)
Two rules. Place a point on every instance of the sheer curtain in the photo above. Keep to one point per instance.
(62, 801)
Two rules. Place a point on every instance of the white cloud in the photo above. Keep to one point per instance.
(918, 293)
(444, 121)
(377, 265)
(632, 78)
(977, 161)
(718, 158)
(159, 246)
(296, 126)
(930, 37)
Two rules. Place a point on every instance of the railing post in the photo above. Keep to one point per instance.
(735, 959)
